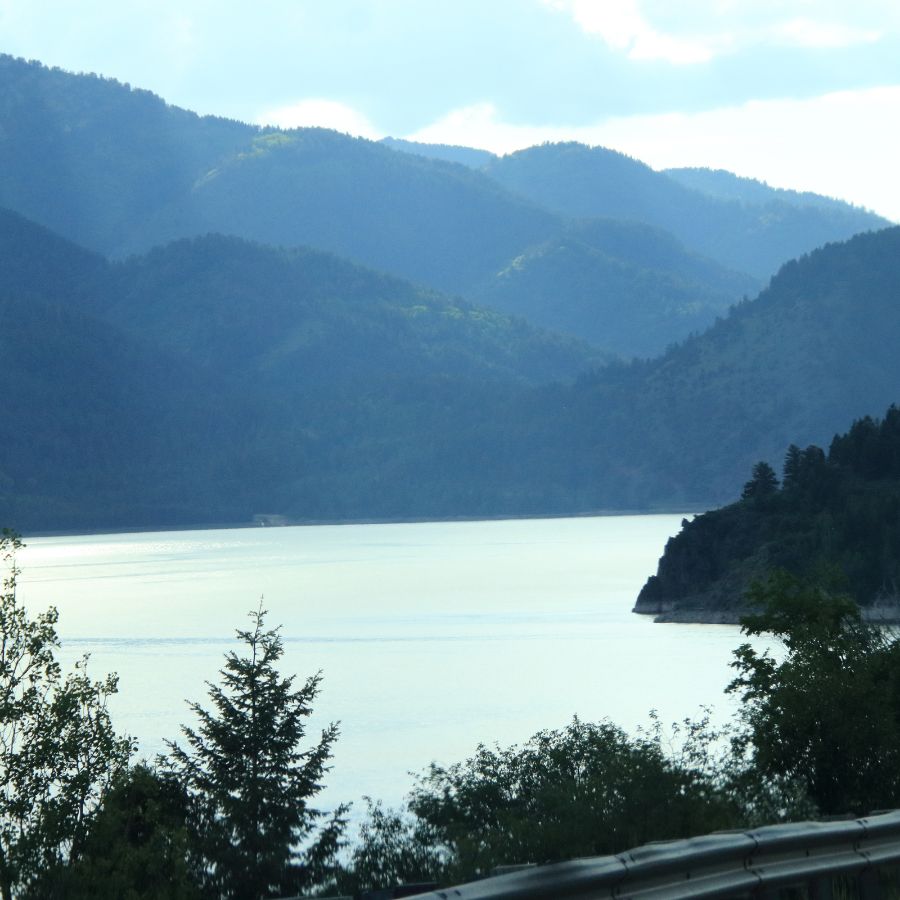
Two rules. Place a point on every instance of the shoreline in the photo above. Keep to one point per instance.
(411, 520)
(886, 614)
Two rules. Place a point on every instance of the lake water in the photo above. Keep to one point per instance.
(432, 637)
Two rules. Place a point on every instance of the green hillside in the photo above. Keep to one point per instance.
(621, 285)
(426, 220)
(92, 159)
(292, 318)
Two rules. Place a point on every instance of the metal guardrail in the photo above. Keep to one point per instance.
(728, 864)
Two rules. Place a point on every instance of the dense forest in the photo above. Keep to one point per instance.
(834, 514)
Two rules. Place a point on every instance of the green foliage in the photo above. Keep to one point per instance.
(212, 380)
(763, 483)
(137, 846)
(583, 790)
(827, 714)
(394, 847)
(249, 783)
(58, 750)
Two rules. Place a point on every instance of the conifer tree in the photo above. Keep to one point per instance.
(250, 784)
(763, 482)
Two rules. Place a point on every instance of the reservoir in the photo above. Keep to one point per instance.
(431, 637)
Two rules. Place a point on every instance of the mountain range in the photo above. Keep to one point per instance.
(208, 320)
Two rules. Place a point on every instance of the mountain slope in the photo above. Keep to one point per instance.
(579, 181)
(302, 318)
(815, 349)
(623, 286)
(92, 158)
(214, 378)
(120, 171)
(426, 220)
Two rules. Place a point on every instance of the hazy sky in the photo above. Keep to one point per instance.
(801, 93)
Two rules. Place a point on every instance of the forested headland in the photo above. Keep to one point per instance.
(834, 514)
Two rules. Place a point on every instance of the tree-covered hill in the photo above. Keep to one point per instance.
(119, 170)
(815, 349)
(100, 429)
(578, 181)
(752, 192)
(629, 287)
(427, 220)
(303, 319)
(92, 158)
(835, 512)
(214, 378)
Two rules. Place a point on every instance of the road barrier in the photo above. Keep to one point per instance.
(808, 855)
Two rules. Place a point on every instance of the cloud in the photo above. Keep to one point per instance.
(317, 112)
(621, 25)
(824, 35)
(840, 144)
(638, 28)
(479, 125)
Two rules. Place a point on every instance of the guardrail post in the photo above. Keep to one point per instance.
(869, 885)
(821, 889)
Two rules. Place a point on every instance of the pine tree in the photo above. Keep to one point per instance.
(250, 784)
(763, 483)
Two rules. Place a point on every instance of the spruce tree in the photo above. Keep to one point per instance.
(763, 483)
(250, 783)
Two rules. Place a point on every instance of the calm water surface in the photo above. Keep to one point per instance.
(432, 637)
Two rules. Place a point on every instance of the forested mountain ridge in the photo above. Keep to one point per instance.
(91, 158)
(835, 512)
(214, 378)
(750, 191)
(119, 170)
(163, 412)
(578, 181)
(304, 319)
(466, 156)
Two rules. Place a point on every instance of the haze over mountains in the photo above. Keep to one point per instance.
(316, 357)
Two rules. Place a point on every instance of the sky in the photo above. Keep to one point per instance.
(799, 93)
